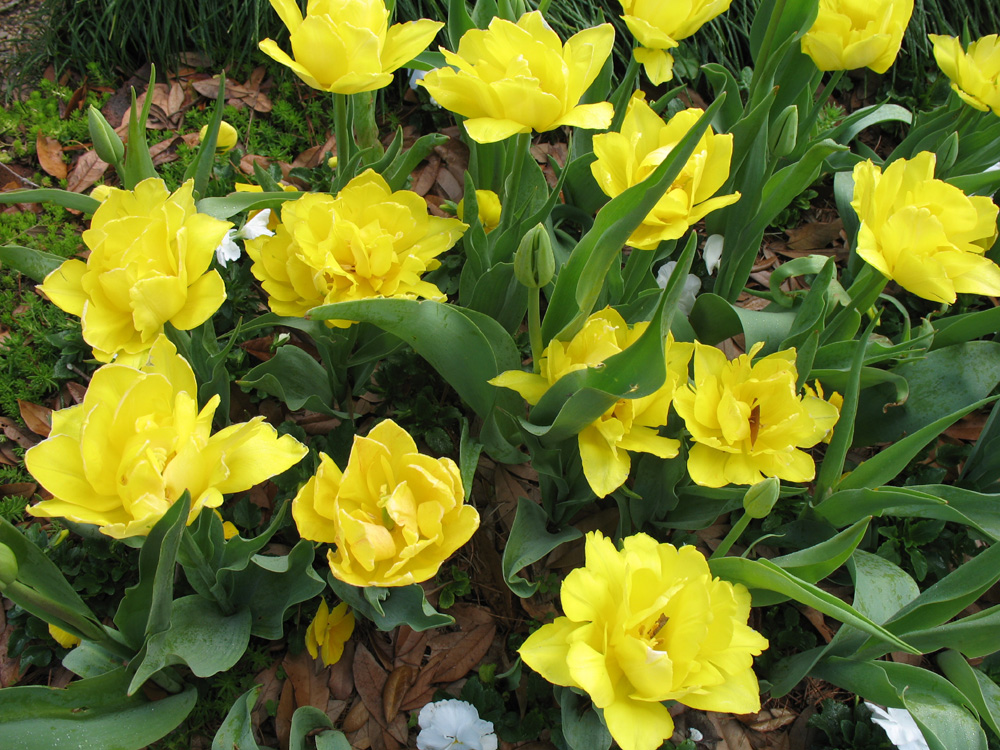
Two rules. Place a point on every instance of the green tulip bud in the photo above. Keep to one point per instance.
(761, 497)
(107, 144)
(947, 152)
(8, 566)
(784, 133)
(534, 261)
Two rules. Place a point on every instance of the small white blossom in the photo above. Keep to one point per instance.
(712, 252)
(902, 730)
(454, 725)
(228, 250)
(692, 285)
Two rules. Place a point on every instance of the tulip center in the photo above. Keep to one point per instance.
(754, 423)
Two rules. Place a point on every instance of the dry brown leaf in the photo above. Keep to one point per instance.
(369, 681)
(283, 717)
(50, 156)
(88, 169)
(10, 669)
(819, 622)
(397, 730)
(270, 692)
(310, 685)
(38, 418)
(248, 160)
(410, 646)
(76, 101)
(772, 719)
(334, 708)
(817, 235)
(450, 187)
(733, 734)
(208, 87)
(76, 391)
(399, 681)
(356, 718)
(424, 180)
(160, 153)
(341, 682)
(15, 433)
(468, 653)
(313, 157)
(18, 489)
(7, 455)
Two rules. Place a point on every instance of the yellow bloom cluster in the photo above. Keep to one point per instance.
(329, 632)
(630, 424)
(645, 625)
(924, 234)
(150, 253)
(659, 25)
(851, 34)
(515, 78)
(394, 514)
(367, 242)
(347, 46)
(747, 419)
(975, 74)
(627, 158)
(121, 458)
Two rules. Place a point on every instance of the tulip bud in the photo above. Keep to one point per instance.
(947, 152)
(227, 137)
(534, 261)
(784, 132)
(107, 144)
(761, 497)
(8, 566)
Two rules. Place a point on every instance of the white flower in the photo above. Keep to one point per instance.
(692, 284)
(418, 75)
(712, 252)
(257, 227)
(902, 730)
(454, 725)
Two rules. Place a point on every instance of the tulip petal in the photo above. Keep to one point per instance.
(638, 725)
(63, 287)
(404, 41)
(204, 297)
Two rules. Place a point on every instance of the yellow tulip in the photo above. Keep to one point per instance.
(226, 139)
(150, 253)
(329, 632)
(627, 158)
(924, 234)
(515, 78)
(64, 639)
(630, 424)
(488, 203)
(347, 46)
(394, 514)
(748, 421)
(851, 34)
(975, 75)
(121, 458)
(649, 624)
(367, 242)
(658, 25)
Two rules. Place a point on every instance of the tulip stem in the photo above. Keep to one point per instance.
(623, 94)
(521, 148)
(734, 534)
(535, 328)
(817, 108)
(343, 134)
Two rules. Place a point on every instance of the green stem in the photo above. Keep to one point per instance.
(521, 151)
(863, 293)
(345, 138)
(964, 118)
(734, 534)
(198, 568)
(806, 128)
(364, 122)
(535, 327)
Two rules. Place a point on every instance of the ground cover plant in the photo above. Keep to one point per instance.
(480, 461)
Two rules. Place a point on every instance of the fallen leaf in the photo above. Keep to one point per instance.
(309, 684)
(399, 681)
(818, 621)
(283, 717)
(15, 433)
(424, 180)
(50, 156)
(76, 391)
(369, 681)
(160, 153)
(270, 692)
(817, 235)
(772, 719)
(18, 489)
(356, 718)
(88, 169)
(36, 417)
(341, 682)
(76, 101)
(10, 669)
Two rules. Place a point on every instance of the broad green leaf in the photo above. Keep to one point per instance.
(957, 329)
(399, 171)
(974, 635)
(295, 378)
(35, 264)
(236, 732)
(200, 636)
(982, 692)
(236, 203)
(88, 659)
(582, 726)
(763, 574)
(389, 608)
(865, 117)
(723, 82)
(64, 198)
(817, 562)
(304, 720)
(89, 713)
(715, 320)
(138, 163)
(200, 168)
(529, 542)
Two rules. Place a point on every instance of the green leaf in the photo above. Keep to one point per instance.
(397, 173)
(236, 203)
(295, 378)
(957, 329)
(763, 574)
(64, 198)
(715, 320)
(582, 726)
(200, 169)
(974, 635)
(145, 608)
(34, 264)
(982, 692)
(817, 562)
(200, 636)
(236, 732)
(138, 163)
(92, 713)
(389, 608)
(306, 719)
(529, 542)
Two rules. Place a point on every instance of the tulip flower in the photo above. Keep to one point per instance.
(394, 514)
(515, 78)
(226, 140)
(630, 424)
(150, 253)
(924, 234)
(329, 631)
(975, 75)
(649, 624)
(489, 207)
(627, 158)
(64, 639)
(367, 242)
(347, 46)
(748, 421)
(658, 25)
(121, 458)
(851, 34)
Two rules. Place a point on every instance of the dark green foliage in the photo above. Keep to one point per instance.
(844, 727)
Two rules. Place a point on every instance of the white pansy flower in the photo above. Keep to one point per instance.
(900, 727)
(228, 250)
(712, 252)
(692, 285)
(454, 725)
